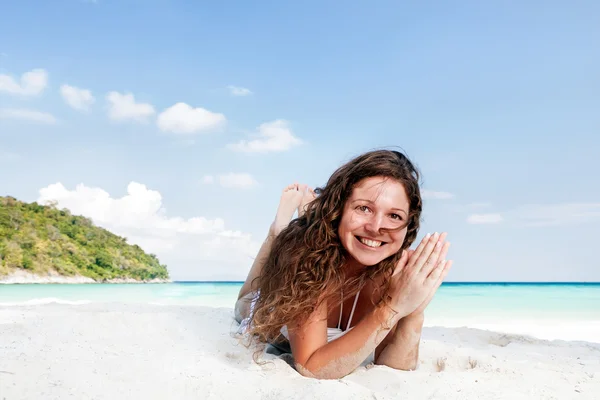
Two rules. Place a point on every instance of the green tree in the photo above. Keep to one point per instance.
(39, 238)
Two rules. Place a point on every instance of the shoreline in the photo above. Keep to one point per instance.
(20, 277)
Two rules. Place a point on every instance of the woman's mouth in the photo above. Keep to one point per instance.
(371, 243)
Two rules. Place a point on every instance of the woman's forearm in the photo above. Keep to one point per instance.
(343, 355)
(402, 351)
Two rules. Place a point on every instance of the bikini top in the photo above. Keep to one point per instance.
(333, 333)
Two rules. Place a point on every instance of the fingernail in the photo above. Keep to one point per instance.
(427, 236)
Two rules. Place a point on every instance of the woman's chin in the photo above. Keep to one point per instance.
(367, 260)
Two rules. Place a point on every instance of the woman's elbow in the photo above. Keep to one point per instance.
(402, 366)
(323, 373)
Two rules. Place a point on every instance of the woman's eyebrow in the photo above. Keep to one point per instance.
(400, 209)
(371, 202)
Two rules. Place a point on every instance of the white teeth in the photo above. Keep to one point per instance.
(370, 243)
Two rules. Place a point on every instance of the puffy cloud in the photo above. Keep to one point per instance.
(79, 99)
(181, 118)
(274, 136)
(430, 194)
(123, 107)
(195, 248)
(484, 219)
(239, 91)
(32, 83)
(27, 115)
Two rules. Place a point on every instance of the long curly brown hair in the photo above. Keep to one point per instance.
(305, 264)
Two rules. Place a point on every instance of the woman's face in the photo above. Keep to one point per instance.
(372, 215)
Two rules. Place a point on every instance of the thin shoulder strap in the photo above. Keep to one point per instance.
(341, 309)
(352, 312)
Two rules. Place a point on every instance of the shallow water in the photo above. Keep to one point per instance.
(501, 300)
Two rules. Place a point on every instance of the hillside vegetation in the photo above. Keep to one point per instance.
(40, 239)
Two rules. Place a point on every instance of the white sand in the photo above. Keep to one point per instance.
(115, 351)
(19, 276)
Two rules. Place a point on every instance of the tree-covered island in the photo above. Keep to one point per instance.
(43, 240)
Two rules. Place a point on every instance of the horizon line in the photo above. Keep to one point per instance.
(452, 282)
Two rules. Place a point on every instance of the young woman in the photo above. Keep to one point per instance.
(339, 282)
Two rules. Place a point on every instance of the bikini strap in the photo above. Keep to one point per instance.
(341, 309)
(352, 312)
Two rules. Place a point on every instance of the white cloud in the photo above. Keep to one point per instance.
(239, 91)
(123, 107)
(183, 119)
(32, 83)
(430, 194)
(274, 136)
(557, 214)
(541, 214)
(237, 180)
(27, 115)
(193, 248)
(484, 219)
(208, 179)
(79, 99)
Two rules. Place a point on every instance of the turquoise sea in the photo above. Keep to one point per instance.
(580, 301)
(569, 311)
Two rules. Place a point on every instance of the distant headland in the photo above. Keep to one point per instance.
(44, 244)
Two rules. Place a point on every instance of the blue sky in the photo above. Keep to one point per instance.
(177, 123)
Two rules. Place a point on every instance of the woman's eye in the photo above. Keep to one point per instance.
(396, 216)
(363, 208)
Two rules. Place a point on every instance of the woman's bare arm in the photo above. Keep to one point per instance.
(316, 358)
(400, 349)
(411, 284)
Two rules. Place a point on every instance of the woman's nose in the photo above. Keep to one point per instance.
(374, 224)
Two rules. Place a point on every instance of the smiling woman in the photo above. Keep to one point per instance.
(339, 284)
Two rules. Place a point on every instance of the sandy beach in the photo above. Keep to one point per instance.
(23, 277)
(119, 351)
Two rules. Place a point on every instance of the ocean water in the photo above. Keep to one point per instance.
(568, 301)
(550, 311)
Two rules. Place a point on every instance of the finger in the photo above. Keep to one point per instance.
(436, 274)
(421, 246)
(422, 252)
(444, 271)
(430, 255)
(401, 262)
(438, 254)
(444, 251)
(447, 269)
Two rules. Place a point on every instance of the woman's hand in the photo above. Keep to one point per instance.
(419, 311)
(418, 274)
